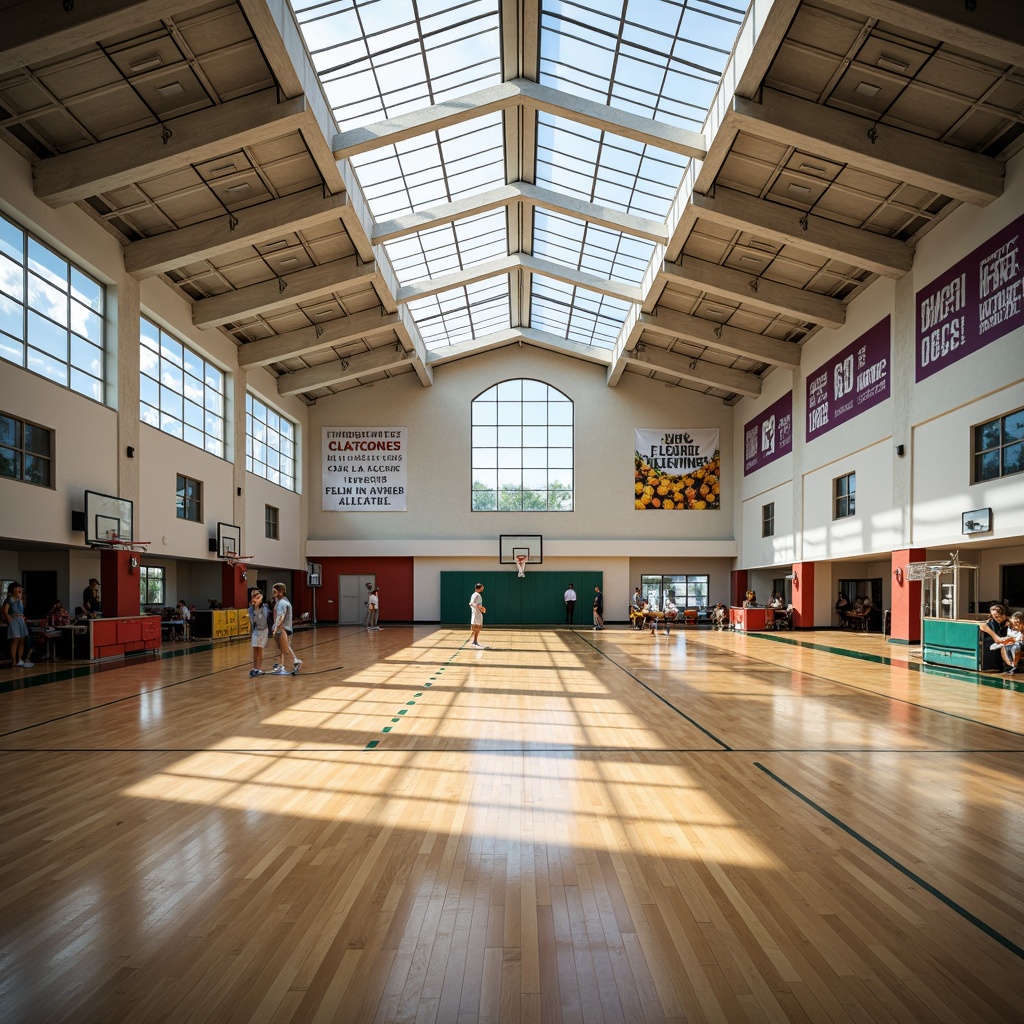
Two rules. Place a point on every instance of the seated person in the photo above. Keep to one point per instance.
(750, 599)
(842, 607)
(58, 616)
(719, 616)
(994, 628)
(636, 610)
(671, 612)
(867, 610)
(776, 601)
(1012, 645)
(855, 616)
(784, 616)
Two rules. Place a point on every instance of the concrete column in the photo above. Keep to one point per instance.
(803, 595)
(905, 624)
(119, 581)
(125, 399)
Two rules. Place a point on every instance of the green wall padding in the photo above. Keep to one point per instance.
(535, 599)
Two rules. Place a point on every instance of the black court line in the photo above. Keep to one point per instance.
(654, 693)
(635, 751)
(865, 689)
(157, 689)
(902, 868)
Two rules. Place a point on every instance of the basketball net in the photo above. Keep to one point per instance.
(521, 564)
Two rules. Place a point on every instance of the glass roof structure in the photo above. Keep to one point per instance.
(584, 182)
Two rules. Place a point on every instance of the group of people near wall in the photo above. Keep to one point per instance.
(1006, 636)
(854, 616)
(272, 620)
(644, 613)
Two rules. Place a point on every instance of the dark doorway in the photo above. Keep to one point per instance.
(852, 589)
(1012, 590)
(40, 593)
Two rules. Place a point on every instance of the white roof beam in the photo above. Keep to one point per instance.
(876, 253)
(756, 292)
(614, 220)
(252, 226)
(993, 28)
(345, 329)
(721, 377)
(424, 120)
(519, 92)
(723, 338)
(410, 335)
(610, 119)
(392, 357)
(145, 153)
(446, 213)
(280, 40)
(520, 261)
(516, 336)
(876, 148)
(339, 275)
(35, 32)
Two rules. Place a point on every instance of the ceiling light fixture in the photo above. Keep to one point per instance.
(750, 259)
(170, 89)
(890, 63)
(146, 63)
(801, 190)
(241, 187)
(288, 259)
(868, 89)
(222, 169)
(811, 169)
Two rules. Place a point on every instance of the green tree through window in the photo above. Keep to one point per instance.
(522, 448)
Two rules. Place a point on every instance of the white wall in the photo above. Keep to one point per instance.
(439, 518)
(915, 500)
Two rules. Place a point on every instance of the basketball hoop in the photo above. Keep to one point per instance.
(521, 564)
(232, 559)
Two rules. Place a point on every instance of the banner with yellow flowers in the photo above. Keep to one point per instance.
(676, 469)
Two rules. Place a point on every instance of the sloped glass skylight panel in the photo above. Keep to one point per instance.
(449, 248)
(590, 247)
(462, 314)
(380, 58)
(453, 163)
(606, 169)
(576, 313)
(657, 58)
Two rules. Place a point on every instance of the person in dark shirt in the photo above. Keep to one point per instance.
(598, 608)
(91, 600)
(994, 627)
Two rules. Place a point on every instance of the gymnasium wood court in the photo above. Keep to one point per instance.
(708, 307)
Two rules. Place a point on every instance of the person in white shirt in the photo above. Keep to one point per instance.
(570, 604)
(373, 609)
(476, 616)
(283, 631)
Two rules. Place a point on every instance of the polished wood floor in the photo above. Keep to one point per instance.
(568, 826)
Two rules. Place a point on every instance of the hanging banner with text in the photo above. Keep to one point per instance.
(769, 436)
(851, 382)
(972, 304)
(364, 469)
(676, 469)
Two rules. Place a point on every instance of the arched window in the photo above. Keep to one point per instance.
(522, 448)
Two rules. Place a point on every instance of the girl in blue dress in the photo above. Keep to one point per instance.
(17, 629)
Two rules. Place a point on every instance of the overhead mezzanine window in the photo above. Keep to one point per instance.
(522, 448)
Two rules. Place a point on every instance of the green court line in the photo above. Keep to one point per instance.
(903, 869)
(965, 675)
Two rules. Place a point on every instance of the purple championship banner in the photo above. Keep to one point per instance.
(851, 382)
(768, 436)
(972, 304)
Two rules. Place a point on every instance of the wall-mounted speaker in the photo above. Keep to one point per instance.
(213, 544)
(78, 522)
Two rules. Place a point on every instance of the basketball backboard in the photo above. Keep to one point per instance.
(512, 544)
(108, 518)
(229, 539)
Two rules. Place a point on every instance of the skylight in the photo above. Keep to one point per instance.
(660, 60)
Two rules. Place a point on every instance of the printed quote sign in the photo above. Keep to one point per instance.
(974, 303)
(851, 382)
(364, 469)
(768, 436)
(676, 469)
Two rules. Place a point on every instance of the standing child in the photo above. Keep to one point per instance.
(259, 623)
(283, 631)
